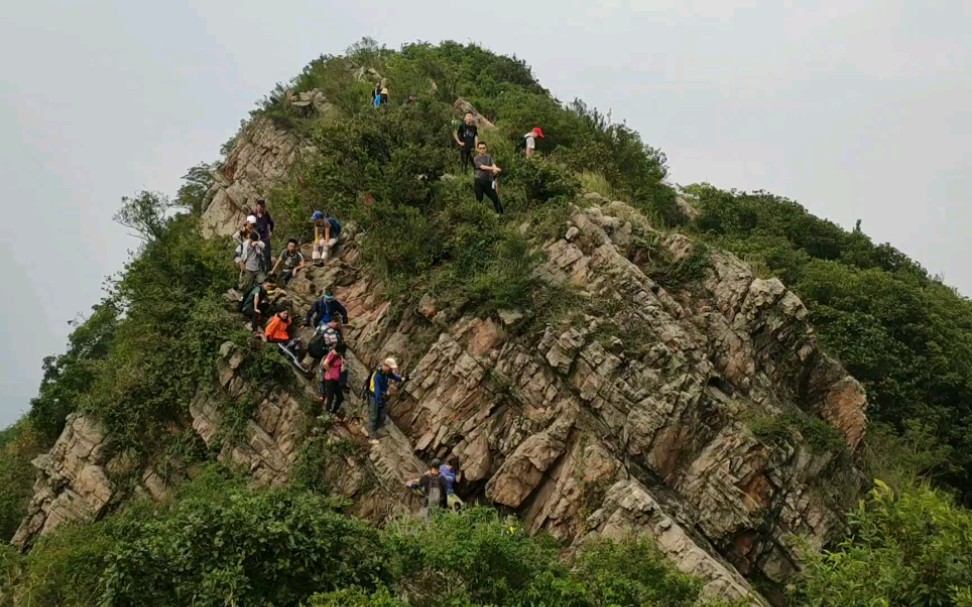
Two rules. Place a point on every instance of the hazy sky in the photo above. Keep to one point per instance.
(855, 109)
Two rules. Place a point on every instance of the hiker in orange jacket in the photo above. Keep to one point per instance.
(277, 332)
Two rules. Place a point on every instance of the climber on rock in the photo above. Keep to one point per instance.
(327, 231)
(530, 141)
(376, 391)
(485, 170)
(277, 332)
(264, 227)
(251, 263)
(332, 367)
(325, 339)
(467, 136)
(434, 489)
(242, 236)
(324, 309)
(256, 303)
(291, 260)
(450, 473)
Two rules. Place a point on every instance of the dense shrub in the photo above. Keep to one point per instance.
(19, 444)
(910, 549)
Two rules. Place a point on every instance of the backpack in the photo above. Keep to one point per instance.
(335, 226)
(521, 145)
(366, 388)
(316, 345)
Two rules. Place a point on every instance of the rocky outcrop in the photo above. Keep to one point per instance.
(261, 155)
(634, 410)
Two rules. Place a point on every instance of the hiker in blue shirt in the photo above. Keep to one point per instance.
(324, 309)
(376, 391)
(450, 474)
(433, 487)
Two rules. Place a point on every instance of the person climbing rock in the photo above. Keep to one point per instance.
(325, 339)
(467, 136)
(256, 303)
(264, 227)
(376, 390)
(277, 332)
(484, 170)
(530, 141)
(450, 473)
(327, 231)
(241, 237)
(251, 263)
(433, 487)
(324, 309)
(331, 368)
(291, 260)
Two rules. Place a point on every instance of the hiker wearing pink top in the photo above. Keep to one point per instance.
(331, 368)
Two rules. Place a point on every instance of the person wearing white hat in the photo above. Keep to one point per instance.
(377, 393)
(242, 236)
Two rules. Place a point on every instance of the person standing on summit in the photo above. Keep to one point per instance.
(467, 136)
(485, 170)
(264, 227)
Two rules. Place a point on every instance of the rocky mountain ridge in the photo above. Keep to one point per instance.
(638, 410)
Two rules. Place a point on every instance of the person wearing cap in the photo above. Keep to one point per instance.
(251, 263)
(291, 259)
(485, 170)
(324, 309)
(377, 389)
(433, 487)
(327, 230)
(264, 227)
(467, 136)
(531, 140)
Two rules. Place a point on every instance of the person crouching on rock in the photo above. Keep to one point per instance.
(433, 486)
(327, 231)
(292, 261)
(377, 392)
(256, 303)
(278, 332)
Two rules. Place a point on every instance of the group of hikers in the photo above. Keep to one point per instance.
(260, 275)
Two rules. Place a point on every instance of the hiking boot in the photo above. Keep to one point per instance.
(373, 441)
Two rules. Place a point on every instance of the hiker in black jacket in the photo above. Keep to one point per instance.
(324, 309)
(433, 486)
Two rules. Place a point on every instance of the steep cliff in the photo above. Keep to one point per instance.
(703, 414)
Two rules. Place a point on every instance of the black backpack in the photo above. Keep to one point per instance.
(521, 145)
(366, 388)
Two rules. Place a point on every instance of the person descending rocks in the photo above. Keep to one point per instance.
(467, 136)
(251, 263)
(291, 259)
(277, 332)
(433, 486)
(324, 309)
(264, 227)
(485, 170)
(376, 392)
(256, 303)
(327, 231)
(530, 141)
(332, 367)
(450, 473)
(325, 339)
(241, 237)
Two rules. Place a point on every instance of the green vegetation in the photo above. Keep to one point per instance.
(219, 543)
(909, 549)
(901, 332)
(142, 353)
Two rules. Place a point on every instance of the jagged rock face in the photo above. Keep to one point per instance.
(261, 155)
(631, 414)
(72, 483)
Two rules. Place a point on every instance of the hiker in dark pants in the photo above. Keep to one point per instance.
(433, 486)
(331, 368)
(256, 303)
(264, 227)
(377, 392)
(484, 171)
(467, 136)
(324, 309)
